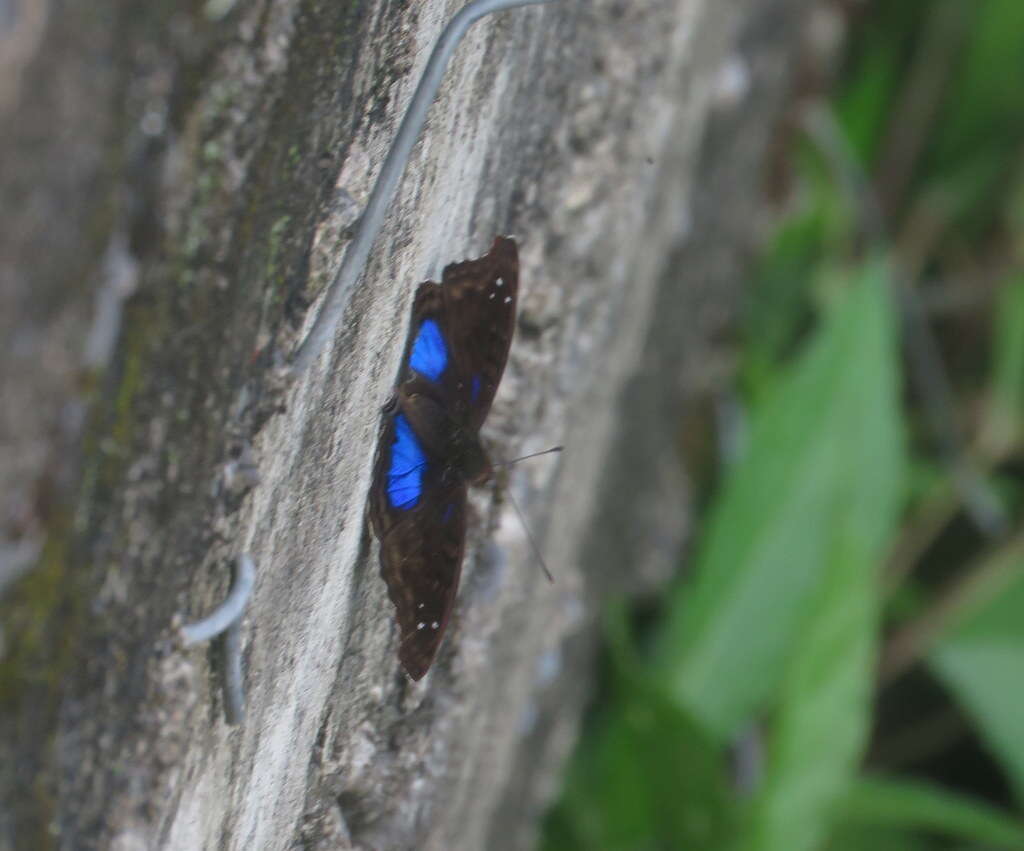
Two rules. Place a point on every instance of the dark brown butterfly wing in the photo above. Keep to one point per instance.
(479, 319)
(418, 512)
(421, 552)
(429, 366)
(421, 564)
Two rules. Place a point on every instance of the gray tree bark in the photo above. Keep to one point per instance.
(176, 188)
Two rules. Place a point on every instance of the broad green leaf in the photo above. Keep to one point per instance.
(982, 662)
(816, 740)
(876, 802)
(818, 489)
(821, 718)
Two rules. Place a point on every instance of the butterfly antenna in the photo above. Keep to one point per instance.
(527, 457)
(526, 526)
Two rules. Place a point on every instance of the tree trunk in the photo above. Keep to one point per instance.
(177, 183)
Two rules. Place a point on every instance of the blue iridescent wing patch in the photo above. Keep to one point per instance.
(405, 471)
(429, 355)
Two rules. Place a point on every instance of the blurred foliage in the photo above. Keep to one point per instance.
(841, 665)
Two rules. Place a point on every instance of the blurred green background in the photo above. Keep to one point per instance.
(841, 663)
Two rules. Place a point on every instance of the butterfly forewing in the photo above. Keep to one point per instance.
(480, 312)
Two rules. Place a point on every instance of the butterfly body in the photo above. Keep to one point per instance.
(430, 448)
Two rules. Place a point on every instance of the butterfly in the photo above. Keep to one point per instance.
(430, 450)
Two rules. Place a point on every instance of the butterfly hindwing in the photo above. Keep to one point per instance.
(421, 560)
(421, 526)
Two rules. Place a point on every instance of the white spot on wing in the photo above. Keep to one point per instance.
(420, 625)
(508, 298)
(500, 282)
(491, 295)
(434, 625)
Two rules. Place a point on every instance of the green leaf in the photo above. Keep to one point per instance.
(804, 515)
(858, 837)
(648, 777)
(908, 805)
(779, 302)
(782, 303)
(982, 662)
(824, 705)
(976, 137)
(982, 112)
(1004, 426)
(864, 106)
(821, 725)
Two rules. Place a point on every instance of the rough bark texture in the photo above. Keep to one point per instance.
(207, 164)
